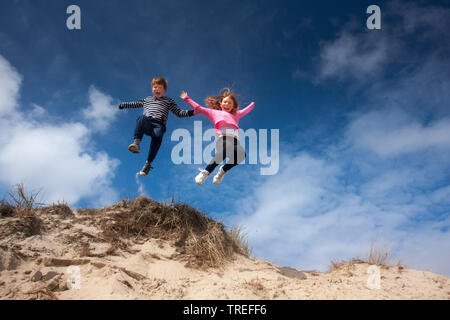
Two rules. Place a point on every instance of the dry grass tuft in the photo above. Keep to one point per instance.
(24, 202)
(89, 212)
(6, 209)
(338, 264)
(378, 255)
(239, 238)
(28, 225)
(256, 286)
(203, 241)
(22, 206)
(61, 209)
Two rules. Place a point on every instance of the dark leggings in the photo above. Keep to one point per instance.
(227, 147)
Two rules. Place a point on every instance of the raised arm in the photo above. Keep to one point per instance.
(198, 108)
(132, 105)
(246, 110)
(191, 102)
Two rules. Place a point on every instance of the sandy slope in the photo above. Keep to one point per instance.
(154, 269)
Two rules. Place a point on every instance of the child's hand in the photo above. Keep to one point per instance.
(183, 94)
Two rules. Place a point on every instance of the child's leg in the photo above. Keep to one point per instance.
(141, 126)
(138, 134)
(218, 158)
(219, 155)
(213, 164)
(234, 152)
(156, 132)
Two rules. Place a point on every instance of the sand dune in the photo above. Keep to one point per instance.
(92, 254)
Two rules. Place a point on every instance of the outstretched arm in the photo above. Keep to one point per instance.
(132, 105)
(246, 110)
(191, 102)
(197, 108)
(178, 112)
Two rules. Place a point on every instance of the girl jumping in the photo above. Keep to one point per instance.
(225, 115)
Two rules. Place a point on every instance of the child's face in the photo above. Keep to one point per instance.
(158, 90)
(227, 104)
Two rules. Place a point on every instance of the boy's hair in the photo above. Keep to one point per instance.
(160, 81)
(215, 101)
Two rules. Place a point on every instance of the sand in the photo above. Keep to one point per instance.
(68, 259)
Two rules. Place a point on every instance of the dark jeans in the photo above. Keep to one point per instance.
(227, 147)
(152, 128)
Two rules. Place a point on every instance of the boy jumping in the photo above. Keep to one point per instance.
(153, 121)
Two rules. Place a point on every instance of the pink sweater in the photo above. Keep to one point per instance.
(220, 118)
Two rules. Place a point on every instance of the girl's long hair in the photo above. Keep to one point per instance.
(215, 101)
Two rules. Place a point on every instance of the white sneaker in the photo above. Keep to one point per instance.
(219, 176)
(201, 177)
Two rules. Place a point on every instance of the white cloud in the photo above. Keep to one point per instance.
(442, 195)
(425, 23)
(387, 178)
(300, 210)
(393, 132)
(305, 216)
(350, 56)
(421, 93)
(52, 157)
(38, 111)
(101, 111)
(361, 56)
(10, 81)
(426, 247)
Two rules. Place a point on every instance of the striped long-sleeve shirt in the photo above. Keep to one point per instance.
(158, 108)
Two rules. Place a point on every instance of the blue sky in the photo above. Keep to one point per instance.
(363, 115)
